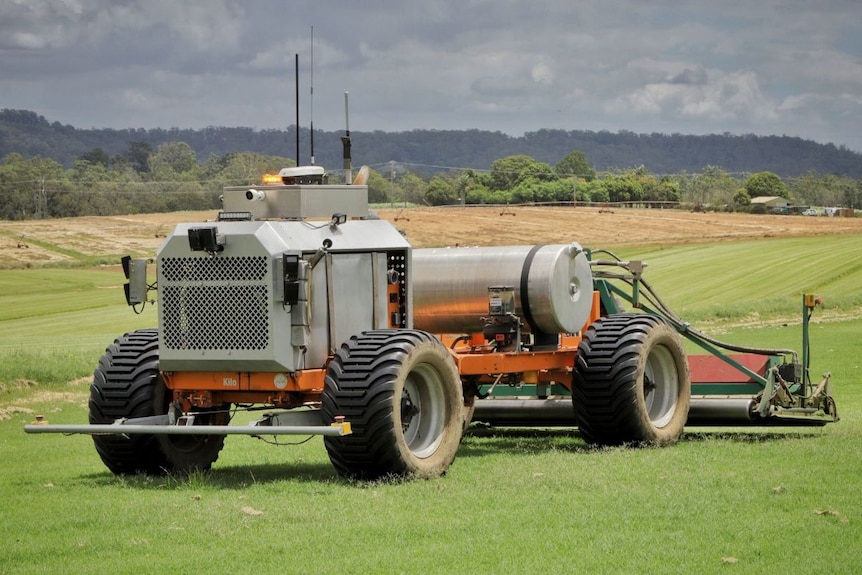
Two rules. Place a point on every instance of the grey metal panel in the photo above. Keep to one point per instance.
(302, 201)
(318, 345)
(297, 235)
(352, 295)
(137, 281)
(219, 312)
(357, 235)
(348, 294)
(226, 311)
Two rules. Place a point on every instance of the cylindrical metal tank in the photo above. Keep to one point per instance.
(553, 286)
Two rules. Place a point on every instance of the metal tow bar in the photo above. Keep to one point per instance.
(129, 427)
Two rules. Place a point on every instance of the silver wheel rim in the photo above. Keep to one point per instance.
(423, 410)
(661, 386)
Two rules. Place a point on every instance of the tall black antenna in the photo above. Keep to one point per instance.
(296, 69)
(311, 100)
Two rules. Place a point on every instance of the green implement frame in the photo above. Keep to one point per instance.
(782, 394)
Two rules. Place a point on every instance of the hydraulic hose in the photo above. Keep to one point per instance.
(653, 298)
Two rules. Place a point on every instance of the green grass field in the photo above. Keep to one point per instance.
(741, 500)
(733, 280)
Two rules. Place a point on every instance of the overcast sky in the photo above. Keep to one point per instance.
(785, 67)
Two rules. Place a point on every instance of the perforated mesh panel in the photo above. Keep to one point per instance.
(213, 303)
(213, 269)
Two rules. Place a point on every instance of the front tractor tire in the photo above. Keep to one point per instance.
(127, 384)
(401, 393)
(631, 382)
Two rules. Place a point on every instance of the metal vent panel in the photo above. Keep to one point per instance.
(215, 303)
(213, 269)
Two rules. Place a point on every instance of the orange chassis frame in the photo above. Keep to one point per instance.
(473, 358)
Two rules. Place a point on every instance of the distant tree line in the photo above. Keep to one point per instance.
(521, 179)
(138, 180)
(435, 151)
(141, 179)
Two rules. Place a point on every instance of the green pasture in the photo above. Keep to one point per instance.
(56, 322)
(729, 500)
(735, 280)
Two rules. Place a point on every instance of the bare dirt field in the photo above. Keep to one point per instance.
(34, 242)
(595, 227)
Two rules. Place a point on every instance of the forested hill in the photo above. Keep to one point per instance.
(30, 134)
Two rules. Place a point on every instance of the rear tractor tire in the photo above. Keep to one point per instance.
(631, 382)
(401, 393)
(127, 384)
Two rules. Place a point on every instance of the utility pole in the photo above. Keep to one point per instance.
(41, 200)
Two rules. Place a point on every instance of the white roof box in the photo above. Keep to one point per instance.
(300, 171)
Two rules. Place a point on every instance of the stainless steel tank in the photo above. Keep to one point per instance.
(553, 286)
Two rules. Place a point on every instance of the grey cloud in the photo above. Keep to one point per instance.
(690, 76)
(775, 66)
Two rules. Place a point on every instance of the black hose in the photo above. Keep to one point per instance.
(716, 342)
(653, 298)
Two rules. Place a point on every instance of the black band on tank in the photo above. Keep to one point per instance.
(525, 275)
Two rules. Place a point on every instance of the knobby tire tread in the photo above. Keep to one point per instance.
(360, 384)
(605, 379)
(127, 384)
(123, 387)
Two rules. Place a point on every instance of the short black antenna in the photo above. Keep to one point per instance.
(345, 143)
